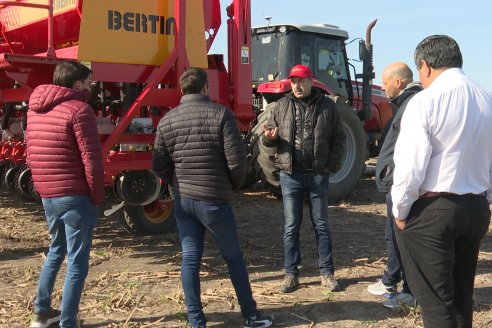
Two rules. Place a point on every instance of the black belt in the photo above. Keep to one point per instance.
(430, 194)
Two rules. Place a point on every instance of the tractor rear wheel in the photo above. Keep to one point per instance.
(262, 158)
(355, 153)
(256, 150)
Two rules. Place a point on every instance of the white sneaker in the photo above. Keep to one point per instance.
(402, 300)
(379, 288)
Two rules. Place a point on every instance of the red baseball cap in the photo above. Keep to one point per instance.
(301, 71)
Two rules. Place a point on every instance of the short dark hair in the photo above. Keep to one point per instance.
(68, 72)
(193, 80)
(438, 51)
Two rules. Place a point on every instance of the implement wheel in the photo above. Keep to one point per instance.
(154, 218)
(10, 177)
(25, 185)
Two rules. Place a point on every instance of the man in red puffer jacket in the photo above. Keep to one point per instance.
(64, 154)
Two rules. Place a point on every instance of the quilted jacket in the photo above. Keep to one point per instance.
(63, 146)
(199, 150)
(327, 136)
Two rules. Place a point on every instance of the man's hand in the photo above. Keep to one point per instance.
(400, 224)
(270, 134)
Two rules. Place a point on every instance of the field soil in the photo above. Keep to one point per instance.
(135, 281)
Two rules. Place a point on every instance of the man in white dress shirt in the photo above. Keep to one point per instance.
(442, 184)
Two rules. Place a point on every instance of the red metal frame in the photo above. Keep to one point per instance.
(233, 88)
(239, 38)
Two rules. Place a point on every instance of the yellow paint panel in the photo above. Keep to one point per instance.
(195, 34)
(127, 31)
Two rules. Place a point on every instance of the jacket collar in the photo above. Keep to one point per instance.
(194, 97)
(410, 90)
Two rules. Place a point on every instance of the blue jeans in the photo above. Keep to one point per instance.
(193, 218)
(294, 187)
(394, 272)
(71, 221)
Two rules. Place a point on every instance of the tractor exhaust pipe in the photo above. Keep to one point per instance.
(366, 55)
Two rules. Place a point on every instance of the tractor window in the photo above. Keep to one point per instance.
(306, 48)
(274, 54)
(265, 50)
(331, 67)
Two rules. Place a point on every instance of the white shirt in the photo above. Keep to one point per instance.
(445, 142)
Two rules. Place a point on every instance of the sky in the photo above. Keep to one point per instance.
(400, 27)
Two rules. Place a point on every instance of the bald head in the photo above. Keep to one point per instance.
(396, 77)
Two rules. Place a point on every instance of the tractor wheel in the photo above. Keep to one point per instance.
(252, 169)
(253, 172)
(154, 218)
(264, 157)
(355, 154)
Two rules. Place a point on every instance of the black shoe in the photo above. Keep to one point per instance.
(290, 284)
(45, 319)
(259, 320)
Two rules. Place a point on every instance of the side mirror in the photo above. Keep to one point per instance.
(362, 49)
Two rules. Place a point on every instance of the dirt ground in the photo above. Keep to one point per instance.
(134, 281)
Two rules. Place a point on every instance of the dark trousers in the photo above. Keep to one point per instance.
(394, 272)
(439, 248)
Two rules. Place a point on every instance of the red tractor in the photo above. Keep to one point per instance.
(364, 110)
(137, 50)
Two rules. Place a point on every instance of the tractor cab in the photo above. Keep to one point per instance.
(276, 49)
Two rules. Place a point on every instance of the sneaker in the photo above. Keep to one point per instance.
(329, 282)
(259, 320)
(290, 284)
(379, 288)
(402, 300)
(45, 319)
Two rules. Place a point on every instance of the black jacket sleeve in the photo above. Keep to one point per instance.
(234, 150)
(162, 165)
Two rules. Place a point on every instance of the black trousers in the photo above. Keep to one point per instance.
(439, 248)
(394, 272)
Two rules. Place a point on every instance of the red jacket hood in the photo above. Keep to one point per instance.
(47, 96)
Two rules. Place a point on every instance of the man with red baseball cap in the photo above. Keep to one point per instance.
(306, 130)
(300, 71)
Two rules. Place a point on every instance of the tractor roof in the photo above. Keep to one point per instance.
(313, 28)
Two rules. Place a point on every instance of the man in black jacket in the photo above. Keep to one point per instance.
(200, 152)
(397, 82)
(306, 129)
